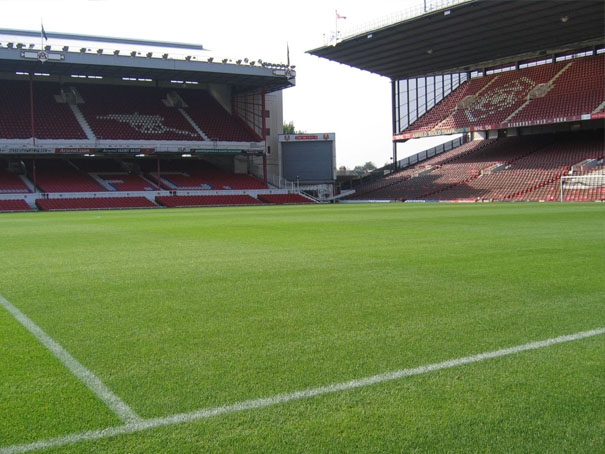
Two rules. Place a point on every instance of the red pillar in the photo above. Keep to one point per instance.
(264, 126)
(31, 107)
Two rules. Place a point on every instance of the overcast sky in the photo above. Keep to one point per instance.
(329, 97)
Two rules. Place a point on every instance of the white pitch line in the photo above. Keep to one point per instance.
(115, 404)
(283, 398)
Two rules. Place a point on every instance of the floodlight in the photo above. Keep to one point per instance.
(164, 56)
(9, 45)
(19, 46)
(47, 48)
(239, 62)
(31, 46)
(252, 63)
(116, 52)
(246, 60)
(188, 58)
(564, 19)
(210, 60)
(65, 48)
(99, 51)
(224, 60)
(149, 54)
(83, 50)
(133, 53)
(260, 62)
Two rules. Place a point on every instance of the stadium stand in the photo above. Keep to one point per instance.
(133, 113)
(515, 168)
(58, 175)
(94, 203)
(214, 120)
(52, 120)
(284, 199)
(206, 200)
(11, 183)
(579, 90)
(127, 182)
(539, 176)
(413, 181)
(14, 205)
(570, 88)
(444, 109)
(116, 113)
(197, 174)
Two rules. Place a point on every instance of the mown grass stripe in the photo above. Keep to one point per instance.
(115, 404)
(142, 425)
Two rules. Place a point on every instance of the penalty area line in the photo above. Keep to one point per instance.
(288, 397)
(113, 402)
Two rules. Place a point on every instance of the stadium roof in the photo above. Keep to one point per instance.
(86, 59)
(473, 35)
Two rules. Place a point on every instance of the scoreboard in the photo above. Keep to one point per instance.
(308, 158)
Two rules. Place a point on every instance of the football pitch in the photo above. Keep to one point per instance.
(408, 328)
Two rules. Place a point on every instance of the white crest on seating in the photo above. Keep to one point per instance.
(147, 124)
(499, 99)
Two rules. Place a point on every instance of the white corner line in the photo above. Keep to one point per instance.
(283, 398)
(115, 404)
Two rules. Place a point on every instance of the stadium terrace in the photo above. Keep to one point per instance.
(528, 110)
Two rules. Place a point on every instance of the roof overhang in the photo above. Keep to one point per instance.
(473, 36)
(76, 60)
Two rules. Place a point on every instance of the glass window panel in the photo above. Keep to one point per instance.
(403, 100)
(438, 88)
(430, 103)
(447, 84)
(430, 92)
(421, 109)
(455, 81)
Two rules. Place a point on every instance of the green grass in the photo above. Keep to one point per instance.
(177, 310)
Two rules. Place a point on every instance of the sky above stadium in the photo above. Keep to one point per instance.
(329, 97)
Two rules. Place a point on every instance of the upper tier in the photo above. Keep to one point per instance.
(115, 112)
(546, 92)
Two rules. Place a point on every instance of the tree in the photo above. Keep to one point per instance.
(369, 166)
(290, 129)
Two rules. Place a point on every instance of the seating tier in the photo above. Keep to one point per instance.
(14, 205)
(52, 120)
(94, 203)
(284, 199)
(207, 200)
